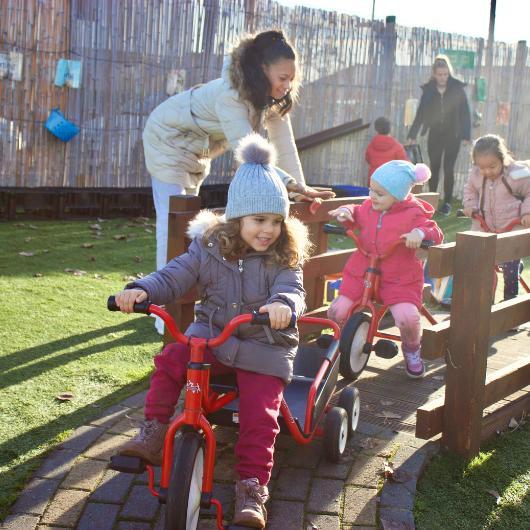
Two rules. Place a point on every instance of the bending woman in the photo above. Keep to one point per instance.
(183, 134)
(443, 112)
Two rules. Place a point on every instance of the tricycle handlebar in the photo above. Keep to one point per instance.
(476, 215)
(259, 319)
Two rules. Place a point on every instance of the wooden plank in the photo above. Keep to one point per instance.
(441, 259)
(512, 245)
(506, 315)
(326, 135)
(498, 419)
(468, 342)
(506, 381)
(429, 419)
(434, 340)
(323, 264)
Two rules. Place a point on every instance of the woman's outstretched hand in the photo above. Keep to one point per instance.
(301, 192)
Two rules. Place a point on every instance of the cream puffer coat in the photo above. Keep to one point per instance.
(500, 206)
(184, 133)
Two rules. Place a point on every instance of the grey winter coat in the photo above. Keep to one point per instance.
(228, 289)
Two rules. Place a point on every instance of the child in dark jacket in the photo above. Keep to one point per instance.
(249, 259)
(383, 147)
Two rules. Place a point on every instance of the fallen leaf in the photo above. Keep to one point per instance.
(369, 407)
(119, 237)
(95, 227)
(386, 403)
(495, 494)
(92, 258)
(438, 377)
(38, 275)
(368, 443)
(148, 230)
(20, 225)
(65, 396)
(28, 239)
(513, 424)
(33, 227)
(138, 259)
(98, 276)
(26, 254)
(388, 469)
(87, 245)
(99, 220)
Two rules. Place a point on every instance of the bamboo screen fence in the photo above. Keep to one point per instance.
(351, 68)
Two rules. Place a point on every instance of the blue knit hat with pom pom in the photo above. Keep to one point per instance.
(256, 187)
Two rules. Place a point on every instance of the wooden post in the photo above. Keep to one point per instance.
(182, 208)
(388, 61)
(468, 342)
(517, 137)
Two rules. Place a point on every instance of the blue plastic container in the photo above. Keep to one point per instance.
(59, 126)
(345, 190)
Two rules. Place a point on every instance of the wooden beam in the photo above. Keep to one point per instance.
(498, 419)
(506, 381)
(326, 135)
(512, 245)
(468, 342)
(429, 419)
(440, 260)
(324, 264)
(434, 340)
(508, 314)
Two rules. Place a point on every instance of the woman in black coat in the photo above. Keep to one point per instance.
(443, 112)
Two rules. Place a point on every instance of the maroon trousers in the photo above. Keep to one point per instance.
(259, 405)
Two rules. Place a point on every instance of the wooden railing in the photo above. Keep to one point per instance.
(464, 342)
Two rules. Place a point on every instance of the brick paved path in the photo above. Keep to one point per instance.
(74, 489)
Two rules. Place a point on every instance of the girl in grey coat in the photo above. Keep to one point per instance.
(248, 260)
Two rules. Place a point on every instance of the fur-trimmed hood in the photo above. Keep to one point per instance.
(207, 219)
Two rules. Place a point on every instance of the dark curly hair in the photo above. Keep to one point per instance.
(267, 48)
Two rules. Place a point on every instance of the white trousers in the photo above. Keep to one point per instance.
(161, 193)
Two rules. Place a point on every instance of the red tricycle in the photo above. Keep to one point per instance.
(189, 448)
(508, 228)
(362, 325)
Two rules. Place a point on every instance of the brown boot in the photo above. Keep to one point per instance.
(250, 503)
(148, 443)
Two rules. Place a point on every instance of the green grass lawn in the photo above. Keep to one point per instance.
(56, 335)
(492, 491)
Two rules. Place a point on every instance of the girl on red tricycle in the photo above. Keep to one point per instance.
(497, 197)
(247, 261)
(382, 270)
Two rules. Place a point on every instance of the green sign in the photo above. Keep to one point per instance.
(480, 89)
(460, 58)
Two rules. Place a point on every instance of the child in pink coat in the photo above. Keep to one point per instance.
(389, 214)
(498, 187)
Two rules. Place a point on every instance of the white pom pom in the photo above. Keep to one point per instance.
(422, 172)
(254, 149)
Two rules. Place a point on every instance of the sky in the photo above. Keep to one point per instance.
(466, 17)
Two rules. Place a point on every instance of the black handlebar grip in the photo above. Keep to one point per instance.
(426, 243)
(142, 307)
(334, 229)
(262, 319)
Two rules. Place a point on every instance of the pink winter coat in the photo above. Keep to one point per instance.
(500, 206)
(402, 271)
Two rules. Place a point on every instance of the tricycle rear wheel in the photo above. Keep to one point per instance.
(335, 433)
(350, 401)
(185, 487)
(353, 339)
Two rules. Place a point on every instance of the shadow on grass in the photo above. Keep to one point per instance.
(12, 482)
(19, 366)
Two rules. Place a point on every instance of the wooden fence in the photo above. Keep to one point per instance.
(130, 49)
(464, 342)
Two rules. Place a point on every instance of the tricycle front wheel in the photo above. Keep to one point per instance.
(185, 487)
(354, 336)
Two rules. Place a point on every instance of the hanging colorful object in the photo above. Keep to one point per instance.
(60, 127)
(68, 73)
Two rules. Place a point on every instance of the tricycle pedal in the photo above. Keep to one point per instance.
(386, 349)
(127, 464)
